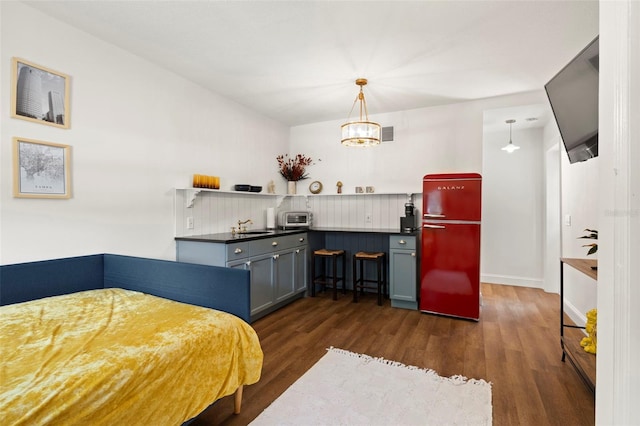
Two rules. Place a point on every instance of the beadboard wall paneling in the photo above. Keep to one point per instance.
(352, 211)
(216, 212)
(352, 243)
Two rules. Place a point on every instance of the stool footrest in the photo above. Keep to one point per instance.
(326, 280)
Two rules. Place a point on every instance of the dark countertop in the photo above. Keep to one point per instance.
(228, 237)
(388, 231)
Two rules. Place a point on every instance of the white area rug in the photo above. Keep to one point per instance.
(345, 388)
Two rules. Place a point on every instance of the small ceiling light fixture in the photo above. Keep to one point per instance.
(362, 132)
(510, 147)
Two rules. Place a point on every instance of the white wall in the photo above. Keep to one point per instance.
(440, 139)
(136, 132)
(443, 139)
(580, 204)
(552, 246)
(618, 370)
(512, 208)
(570, 205)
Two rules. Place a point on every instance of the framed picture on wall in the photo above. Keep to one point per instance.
(39, 94)
(41, 169)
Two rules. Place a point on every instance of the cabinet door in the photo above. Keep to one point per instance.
(403, 283)
(283, 275)
(300, 269)
(261, 268)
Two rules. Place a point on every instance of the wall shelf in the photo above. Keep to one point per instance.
(192, 194)
(362, 194)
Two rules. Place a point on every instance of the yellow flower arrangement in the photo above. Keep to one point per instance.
(590, 343)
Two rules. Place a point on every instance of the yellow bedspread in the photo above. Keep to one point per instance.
(118, 357)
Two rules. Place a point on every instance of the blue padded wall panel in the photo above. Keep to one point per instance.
(213, 287)
(34, 280)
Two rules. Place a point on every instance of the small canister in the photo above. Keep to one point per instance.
(409, 209)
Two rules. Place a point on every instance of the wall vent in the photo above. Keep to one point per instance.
(387, 134)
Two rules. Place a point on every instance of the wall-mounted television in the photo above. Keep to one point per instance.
(573, 94)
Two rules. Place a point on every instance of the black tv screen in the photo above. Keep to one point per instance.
(573, 94)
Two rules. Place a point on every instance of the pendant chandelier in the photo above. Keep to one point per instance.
(362, 132)
(510, 147)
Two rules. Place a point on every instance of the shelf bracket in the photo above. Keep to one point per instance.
(190, 197)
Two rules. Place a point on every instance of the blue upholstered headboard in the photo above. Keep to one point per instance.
(34, 280)
(224, 289)
(214, 287)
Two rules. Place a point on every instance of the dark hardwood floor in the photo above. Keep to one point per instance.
(515, 346)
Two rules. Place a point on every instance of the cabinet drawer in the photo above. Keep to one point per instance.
(268, 245)
(271, 244)
(402, 242)
(299, 239)
(296, 240)
(237, 251)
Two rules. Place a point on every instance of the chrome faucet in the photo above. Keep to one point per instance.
(242, 228)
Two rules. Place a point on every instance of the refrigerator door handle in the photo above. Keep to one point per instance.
(433, 226)
(429, 215)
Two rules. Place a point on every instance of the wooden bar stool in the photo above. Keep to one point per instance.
(325, 279)
(362, 283)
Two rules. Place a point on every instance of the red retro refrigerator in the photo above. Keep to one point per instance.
(450, 267)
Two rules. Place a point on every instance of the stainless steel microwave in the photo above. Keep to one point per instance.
(292, 220)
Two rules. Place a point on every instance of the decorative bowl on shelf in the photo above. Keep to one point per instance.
(255, 188)
(242, 187)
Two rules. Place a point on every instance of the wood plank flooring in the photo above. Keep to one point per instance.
(515, 346)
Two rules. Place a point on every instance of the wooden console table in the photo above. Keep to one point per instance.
(570, 335)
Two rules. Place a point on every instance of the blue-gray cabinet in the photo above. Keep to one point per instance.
(300, 267)
(277, 264)
(403, 271)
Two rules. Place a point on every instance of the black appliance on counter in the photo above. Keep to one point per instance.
(408, 221)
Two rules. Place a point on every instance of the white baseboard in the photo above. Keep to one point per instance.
(576, 316)
(511, 280)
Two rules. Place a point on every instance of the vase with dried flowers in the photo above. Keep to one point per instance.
(293, 169)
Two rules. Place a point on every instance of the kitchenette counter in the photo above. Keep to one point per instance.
(401, 248)
(277, 262)
(279, 259)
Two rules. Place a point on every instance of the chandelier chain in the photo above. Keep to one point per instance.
(355, 101)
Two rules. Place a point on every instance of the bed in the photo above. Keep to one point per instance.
(108, 339)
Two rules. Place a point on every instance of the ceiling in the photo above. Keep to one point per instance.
(296, 61)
